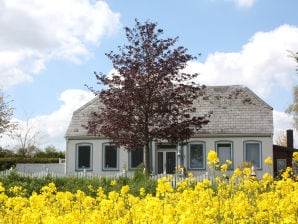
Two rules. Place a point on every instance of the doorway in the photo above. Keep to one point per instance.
(166, 159)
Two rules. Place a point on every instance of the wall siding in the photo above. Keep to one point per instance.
(210, 144)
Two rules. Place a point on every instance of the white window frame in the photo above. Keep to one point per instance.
(230, 166)
(90, 156)
(104, 145)
(130, 158)
(203, 166)
(257, 166)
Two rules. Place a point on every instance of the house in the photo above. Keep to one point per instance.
(282, 155)
(240, 129)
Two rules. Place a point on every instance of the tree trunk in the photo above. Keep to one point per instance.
(146, 159)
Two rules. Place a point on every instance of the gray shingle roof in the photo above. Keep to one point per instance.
(236, 110)
(80, 117)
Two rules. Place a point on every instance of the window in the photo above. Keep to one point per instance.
(136, 157)
(196, 155)
(84, 156)
(252, 153)
(281, 165)
(110, 157)
(224, 152)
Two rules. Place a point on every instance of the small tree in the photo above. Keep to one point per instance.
(26, 136)
(6, 112)
(281, 140)
(295, 56)
(293, 108)
(50, 151)
(148, 98)
(28, 151)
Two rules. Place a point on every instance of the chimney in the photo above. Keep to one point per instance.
(290, 142)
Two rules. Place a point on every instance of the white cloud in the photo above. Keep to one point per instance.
(240, 3)
(263, 63)
(33, 32)
(50, 129)
(243, 3)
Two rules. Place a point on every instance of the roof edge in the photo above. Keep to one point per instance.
(86, 105)
(257, 97)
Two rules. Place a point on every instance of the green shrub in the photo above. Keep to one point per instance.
(6, 164)
(72, 184)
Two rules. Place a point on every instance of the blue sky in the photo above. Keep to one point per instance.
(50, 49)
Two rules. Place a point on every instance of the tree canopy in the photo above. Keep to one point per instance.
(148, 97)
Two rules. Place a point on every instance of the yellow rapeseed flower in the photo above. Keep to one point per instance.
(206, 182)
(124, 190)
(224, 167)
(238, 172)
(225, 201)
(142, 191)
(295, 156)
(212, 157)
(113, 182)
(268, 160)
(229, 162)
(2, 189)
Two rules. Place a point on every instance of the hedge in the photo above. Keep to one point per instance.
(8, 162)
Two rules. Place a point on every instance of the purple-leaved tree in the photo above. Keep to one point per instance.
(148, 98)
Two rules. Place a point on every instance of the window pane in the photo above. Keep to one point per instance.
(253, 154)
(170, 162)
(84, 156)
(224, 152)
(281, 165)
(196, 156)
(160, 163)
(110, 157)
(136, 157)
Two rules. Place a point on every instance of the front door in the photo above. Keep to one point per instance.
(166, 160)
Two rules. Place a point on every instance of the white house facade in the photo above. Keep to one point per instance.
(240, 130)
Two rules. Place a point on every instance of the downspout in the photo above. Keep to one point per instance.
(181, 152)
(150, 158)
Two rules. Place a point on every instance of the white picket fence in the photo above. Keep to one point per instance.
(40, 174)
(178, 178)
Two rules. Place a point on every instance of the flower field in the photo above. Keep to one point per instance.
(239, 199)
